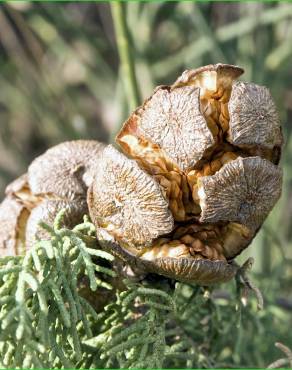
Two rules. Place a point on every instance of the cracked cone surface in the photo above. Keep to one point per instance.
(198, 177)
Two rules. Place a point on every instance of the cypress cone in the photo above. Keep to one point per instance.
(198, 177)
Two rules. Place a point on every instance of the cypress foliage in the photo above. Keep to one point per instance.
(43, 317)
(62, 305)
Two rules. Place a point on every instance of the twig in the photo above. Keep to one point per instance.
(287, 351)
(282, 361)
(244, 280)
(127, 63)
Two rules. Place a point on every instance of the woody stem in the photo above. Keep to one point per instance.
(126, 59)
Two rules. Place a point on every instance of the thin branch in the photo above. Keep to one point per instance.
(126, 60)
(281, 362)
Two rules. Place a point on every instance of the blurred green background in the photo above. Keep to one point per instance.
(60, 79)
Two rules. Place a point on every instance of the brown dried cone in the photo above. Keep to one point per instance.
(243, 191)
(56, 180)
(186, 269)
(128, 202)
(254, 119)
(13, 217)
(205, 178)
(215, 160)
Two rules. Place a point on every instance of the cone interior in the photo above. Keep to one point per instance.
(192, 238)
(23, 196)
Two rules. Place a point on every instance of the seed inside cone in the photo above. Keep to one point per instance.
(163, 155)
(201, 177)
(180, 183)
(193, 241)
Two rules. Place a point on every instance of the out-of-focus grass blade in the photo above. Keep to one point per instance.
(223, 34)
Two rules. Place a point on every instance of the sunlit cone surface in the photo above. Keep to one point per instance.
(13, 216)
(58, 179)
(65, 170)
(213, 145)
(198, 177)
(243, 191)
(127, 201)
(172, 120)
(254, 119)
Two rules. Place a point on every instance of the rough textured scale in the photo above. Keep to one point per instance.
(223, 74)
(203, 177)
(172, 119)
(127, 200)
(244, 191)
(47, 210)
(184, 269)
(254, 119)
(13, 216)
(203, 272)
(66, 170)
(58, 179)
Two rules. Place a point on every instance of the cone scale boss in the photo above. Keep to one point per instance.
(196, 177)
